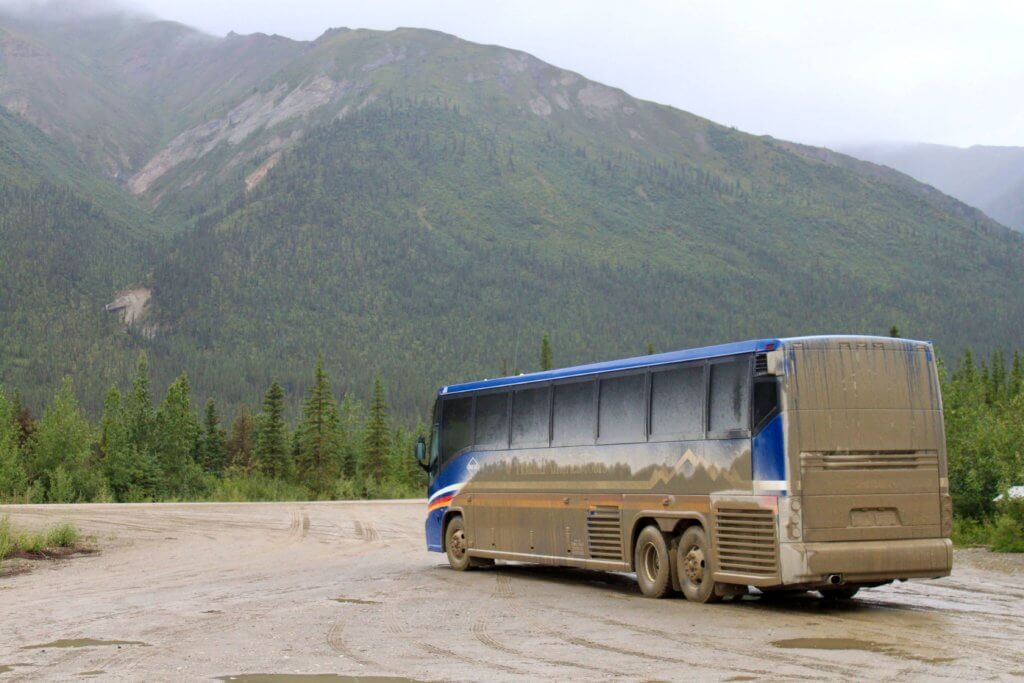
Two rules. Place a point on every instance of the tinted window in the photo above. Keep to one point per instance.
(455, 426)
(492, 420)
(574, 414)
(622, 409)
(766, 400)
(677, 401)
(730, 396)
(530, 417)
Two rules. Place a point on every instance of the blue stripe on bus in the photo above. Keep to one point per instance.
(769, 452)
(455, 472)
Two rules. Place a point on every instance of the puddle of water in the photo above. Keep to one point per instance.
(313, 678)
(741, 678)
(834, 644)
(5, 669)
(83, 642)
(854, 644)
(355, 601)
(213, 611)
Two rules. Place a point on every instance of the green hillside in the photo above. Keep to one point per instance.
(423, 208)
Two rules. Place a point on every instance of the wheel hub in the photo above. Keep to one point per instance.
(693, 564)
(457, 544)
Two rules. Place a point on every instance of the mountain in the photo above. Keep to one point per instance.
(990, 178)
(424, 208)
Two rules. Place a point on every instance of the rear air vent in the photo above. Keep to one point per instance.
(746, 541)
(871, 460)
(604, 532)
(760, 364)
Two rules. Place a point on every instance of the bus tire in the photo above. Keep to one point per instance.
(455, 545)
(653, 563)
(695, 567)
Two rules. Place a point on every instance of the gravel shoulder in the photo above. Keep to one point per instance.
(202, 591)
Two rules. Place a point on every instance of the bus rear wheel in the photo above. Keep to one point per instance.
(694, 565)
(653, 563)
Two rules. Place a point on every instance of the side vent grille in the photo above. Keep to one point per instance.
(760, 364)
(874, 460)
(746, 541)
(604, 532)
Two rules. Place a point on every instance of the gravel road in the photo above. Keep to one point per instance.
(207, 591)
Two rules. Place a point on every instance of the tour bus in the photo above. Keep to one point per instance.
(809, 463)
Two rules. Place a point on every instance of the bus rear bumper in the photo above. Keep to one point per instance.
(864, 562)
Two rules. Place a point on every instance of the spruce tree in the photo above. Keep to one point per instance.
(177, 440)
(271, 440)
(213, 453)
(547, 361)
(140, 418)
(130, 475)
(60, 450)
(894, 331)
(1016, 387)
(378, 438)
(351, 431)
(650, 349)
(240, 445)
(319, 444)
(13, 480)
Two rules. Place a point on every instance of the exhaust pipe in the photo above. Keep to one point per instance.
(835, 579)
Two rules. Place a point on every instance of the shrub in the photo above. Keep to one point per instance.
(6, 540)
(32, 543)
(1008, 535)
(969, 532)
(63, 535)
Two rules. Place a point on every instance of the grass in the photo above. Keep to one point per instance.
(13, 541)
(1003, 534)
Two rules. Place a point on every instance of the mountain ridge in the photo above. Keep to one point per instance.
(423, 208)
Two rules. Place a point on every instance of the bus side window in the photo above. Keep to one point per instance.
(677, 402)
(730, 397)
(531, 414)
(766, 400)
(574, 414)
(456, 428)
(492, 420)
(622, 411)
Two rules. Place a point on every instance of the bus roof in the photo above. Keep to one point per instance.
(701, 353)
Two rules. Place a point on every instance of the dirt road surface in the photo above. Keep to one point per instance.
(203, 591)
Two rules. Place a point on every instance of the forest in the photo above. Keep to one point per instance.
(172, 451)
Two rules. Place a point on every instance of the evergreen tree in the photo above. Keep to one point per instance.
(894, 331)
(1016, 387)
(350, 435)
(213, 452)
(62, 440)
(177, 440)
(240, 445)
(271, 440)
(13, 480)
(26, 423)
(650, 349)
(547, 361)
(140, 418)
(318, 460)
(130, 475)
(377, 440)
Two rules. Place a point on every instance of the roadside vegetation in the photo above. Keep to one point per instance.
(14, 542)
(984, 415)
(141, 451)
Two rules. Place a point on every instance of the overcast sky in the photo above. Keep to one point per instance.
(816, 71)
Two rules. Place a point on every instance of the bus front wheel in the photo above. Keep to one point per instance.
(455, 545)
(653, 563)
(694, 565)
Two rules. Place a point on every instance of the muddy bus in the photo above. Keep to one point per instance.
(812, 463)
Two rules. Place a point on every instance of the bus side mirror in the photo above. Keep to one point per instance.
(420, 453)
